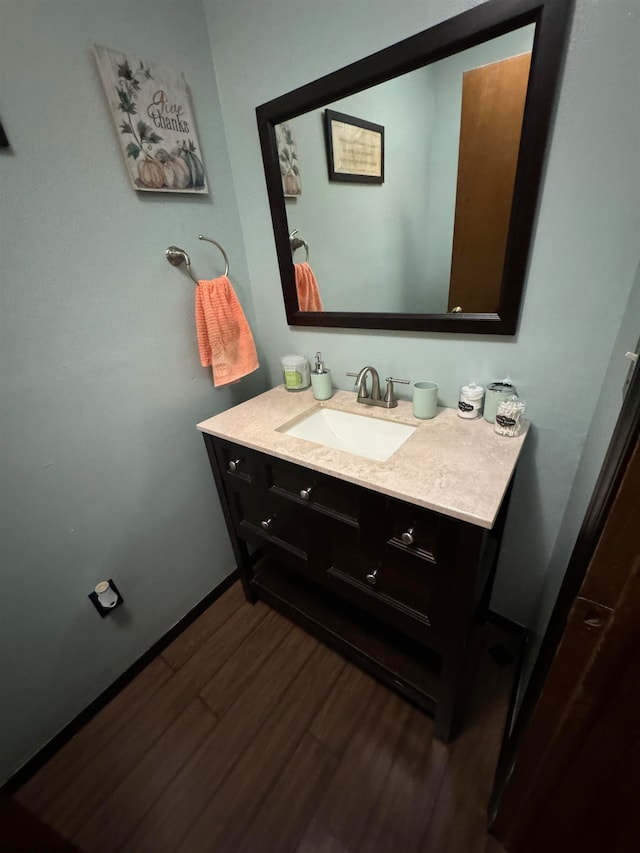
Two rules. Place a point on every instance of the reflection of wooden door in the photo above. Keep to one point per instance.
(574, 785)
(493, 99)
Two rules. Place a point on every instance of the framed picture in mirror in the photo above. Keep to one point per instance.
(355, 149)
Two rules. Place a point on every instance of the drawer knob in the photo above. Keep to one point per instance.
(234, 464)
(372, 577)
(407, 536)
(268, 522)
(305, 494)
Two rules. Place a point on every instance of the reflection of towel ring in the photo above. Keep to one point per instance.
(176, 256)
(298, 243)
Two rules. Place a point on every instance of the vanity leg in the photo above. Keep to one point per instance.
(241, 553)
(460, 560)
(447, 717)
(240, 550)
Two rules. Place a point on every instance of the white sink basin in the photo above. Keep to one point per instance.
(372, 438)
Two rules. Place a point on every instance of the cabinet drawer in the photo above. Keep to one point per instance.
(396, 586)
(414, 530)
(312, 489)
(237, 463)
(278, 528)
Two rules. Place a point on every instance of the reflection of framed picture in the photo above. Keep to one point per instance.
(288, 158)
(355, 149)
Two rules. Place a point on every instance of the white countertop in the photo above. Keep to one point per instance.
(452, 465)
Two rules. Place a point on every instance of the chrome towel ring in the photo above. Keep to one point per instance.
(176, 256)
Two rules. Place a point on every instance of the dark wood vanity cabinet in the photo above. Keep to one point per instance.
(394, 587)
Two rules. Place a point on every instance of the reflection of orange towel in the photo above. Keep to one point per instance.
(224, 337)
(307, 288)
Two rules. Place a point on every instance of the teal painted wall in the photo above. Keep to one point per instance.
(582, 263)
(102, 471)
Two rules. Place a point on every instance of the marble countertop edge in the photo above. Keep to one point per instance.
(452, 465)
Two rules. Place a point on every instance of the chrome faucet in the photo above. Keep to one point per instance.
(361, 382)
(374, 399)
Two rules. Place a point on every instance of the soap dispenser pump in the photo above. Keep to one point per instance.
(321, 380)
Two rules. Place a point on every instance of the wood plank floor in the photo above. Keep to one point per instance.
(247, 735)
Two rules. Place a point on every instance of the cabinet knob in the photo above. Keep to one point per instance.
(407, 537)
(305, 494)
(234, 464)
(266, 524)
(372, 577)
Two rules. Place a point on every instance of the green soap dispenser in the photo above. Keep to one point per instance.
(321, 380)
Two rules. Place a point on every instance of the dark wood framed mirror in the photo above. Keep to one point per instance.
(452, 258)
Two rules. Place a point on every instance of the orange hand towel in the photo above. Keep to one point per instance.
(224, 337)
(307, 288)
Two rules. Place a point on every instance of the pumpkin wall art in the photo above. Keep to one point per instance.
(154, 119)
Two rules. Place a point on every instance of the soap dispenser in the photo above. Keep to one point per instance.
(321, 380)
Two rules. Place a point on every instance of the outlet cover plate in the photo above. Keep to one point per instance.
(104, 611)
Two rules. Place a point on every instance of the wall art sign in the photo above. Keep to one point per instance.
(288, 157)
(154, 119)
(355, 149)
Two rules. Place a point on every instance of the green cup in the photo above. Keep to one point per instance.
(425, 399)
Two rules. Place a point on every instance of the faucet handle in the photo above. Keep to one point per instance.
(355, 376)
(390, 397)
(363, 390)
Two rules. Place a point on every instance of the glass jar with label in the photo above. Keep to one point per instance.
(296, 373)
(470, 400)
(510, 416)
(496, 392)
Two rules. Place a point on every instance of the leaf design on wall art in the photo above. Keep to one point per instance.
(127, 88)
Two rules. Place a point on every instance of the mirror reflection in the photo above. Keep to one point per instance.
(431, 237)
